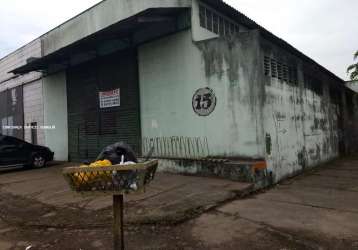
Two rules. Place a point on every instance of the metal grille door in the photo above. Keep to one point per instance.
(92, 127)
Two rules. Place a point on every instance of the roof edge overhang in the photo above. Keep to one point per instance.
(126, 31)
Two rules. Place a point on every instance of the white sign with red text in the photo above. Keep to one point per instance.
(110, 99)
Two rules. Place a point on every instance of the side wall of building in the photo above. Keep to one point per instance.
(293, 125)
(55, 114)
(309, 122)
(172, 69)
(301, 119)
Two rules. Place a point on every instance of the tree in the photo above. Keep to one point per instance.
(353, 69)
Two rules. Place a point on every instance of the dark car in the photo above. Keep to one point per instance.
(16, 152)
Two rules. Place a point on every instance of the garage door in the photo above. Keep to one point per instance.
(103, 105)
(12, 112)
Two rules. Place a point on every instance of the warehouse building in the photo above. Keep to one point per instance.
(194, 79)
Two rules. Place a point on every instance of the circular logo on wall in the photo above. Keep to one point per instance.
(204, 101)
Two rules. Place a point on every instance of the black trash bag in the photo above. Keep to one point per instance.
(114, 153)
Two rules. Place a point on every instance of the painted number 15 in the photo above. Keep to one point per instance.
(203, 101)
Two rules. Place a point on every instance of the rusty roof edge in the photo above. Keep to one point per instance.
(237, 15)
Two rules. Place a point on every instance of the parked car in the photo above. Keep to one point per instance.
(16, 152)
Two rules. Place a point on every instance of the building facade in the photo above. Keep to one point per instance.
(195, 80)
(21, 96)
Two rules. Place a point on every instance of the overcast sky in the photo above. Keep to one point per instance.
(325, 30)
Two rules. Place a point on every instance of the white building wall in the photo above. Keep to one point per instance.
(55, 114)
(33, 110)
(302, 127)
(172, 69)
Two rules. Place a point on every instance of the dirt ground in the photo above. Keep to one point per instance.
(317, 210)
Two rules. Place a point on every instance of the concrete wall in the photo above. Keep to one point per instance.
(301, 125)
(55, 113)
(33, 110)
(290, 125)
(173, 68)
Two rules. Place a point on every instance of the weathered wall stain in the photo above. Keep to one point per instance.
(268, 144)
(302, 158)
(233, 59)
(220, 57)
(304, 119)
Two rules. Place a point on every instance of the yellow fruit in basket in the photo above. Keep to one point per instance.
(104, 163)
(86, 177)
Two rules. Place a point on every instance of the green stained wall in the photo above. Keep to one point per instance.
(173, 68)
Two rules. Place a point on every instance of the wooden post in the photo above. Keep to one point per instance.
(118, 233)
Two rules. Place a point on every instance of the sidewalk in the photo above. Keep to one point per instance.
(38, 209)
(317, 210)
(169, 199)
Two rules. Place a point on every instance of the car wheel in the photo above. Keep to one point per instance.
(38, 161)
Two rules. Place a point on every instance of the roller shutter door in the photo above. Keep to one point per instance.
(90, 127)
(12, 112)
